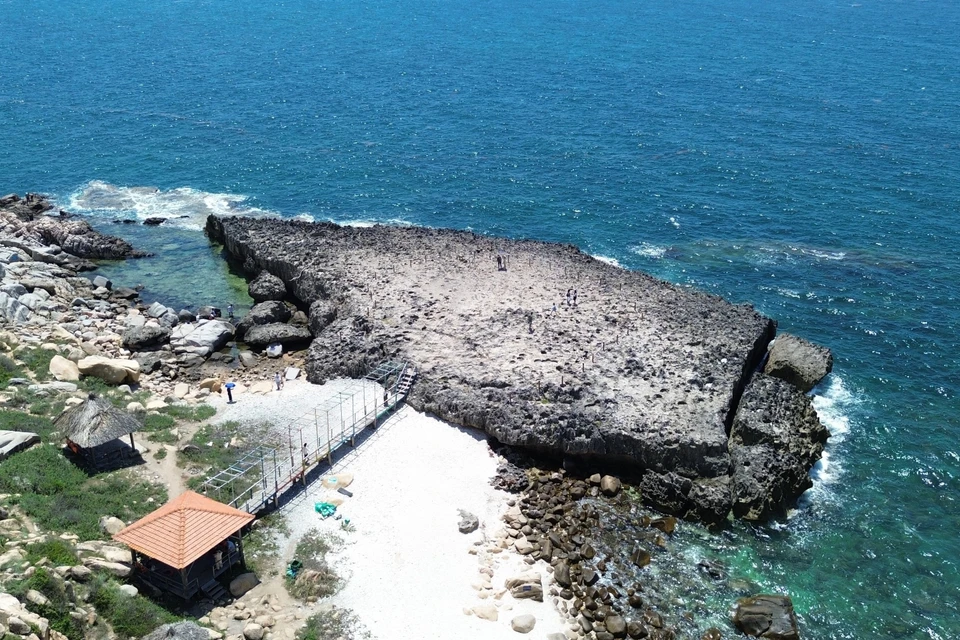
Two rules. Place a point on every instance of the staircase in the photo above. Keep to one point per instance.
(407, 378)
(214, 590)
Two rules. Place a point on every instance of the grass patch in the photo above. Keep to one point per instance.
(158, 426)
(316, 579)
(216, 447)
(131, 617)
(37, 361)
(61, 497)
(261, 546)
(19, 421)
(160, 454)
(335, 624)
(8, 370)
(57, 611)
(59, 552)
(190, 413)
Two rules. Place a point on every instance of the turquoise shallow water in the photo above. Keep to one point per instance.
(800, 155)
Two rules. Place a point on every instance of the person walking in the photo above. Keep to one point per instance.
(278, 380)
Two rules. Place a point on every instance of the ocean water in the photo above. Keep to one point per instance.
(803, 156)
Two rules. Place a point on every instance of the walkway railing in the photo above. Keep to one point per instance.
(262, 475)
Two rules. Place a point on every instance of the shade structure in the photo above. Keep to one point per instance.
(95, 422)
(184, 529)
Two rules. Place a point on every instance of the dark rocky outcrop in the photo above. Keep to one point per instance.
(775, 440)
(267, 286)
(61, 240)
(798, 361)
(638, 374)
(767, 616)
(262, 313)
(276, 333)
(136, 338)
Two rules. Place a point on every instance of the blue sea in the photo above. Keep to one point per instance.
(800, 155)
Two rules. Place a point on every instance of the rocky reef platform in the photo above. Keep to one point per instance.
(546, 348)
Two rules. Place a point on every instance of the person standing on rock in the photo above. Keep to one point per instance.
(230, 312)
(278, 380)
(574, 297)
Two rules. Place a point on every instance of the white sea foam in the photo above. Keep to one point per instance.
(835, 403)
(648, 250)
(182, 207)
(370, 222)
(608, 260)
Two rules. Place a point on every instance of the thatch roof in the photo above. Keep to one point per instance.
(95, 422)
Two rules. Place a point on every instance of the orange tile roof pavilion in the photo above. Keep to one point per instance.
(181, 531)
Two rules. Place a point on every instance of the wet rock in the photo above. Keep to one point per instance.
(610, 486)
(640, 557)
(666, 525)
(767, 616)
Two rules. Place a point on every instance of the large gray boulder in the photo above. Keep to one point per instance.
(276, 333)
(775, 440)
(136, 338)
(798, 361)
(267, 286)
(322, 313)
(767, 616)
(201, 338)
(262, 313)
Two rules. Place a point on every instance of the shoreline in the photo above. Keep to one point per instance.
(195, 362)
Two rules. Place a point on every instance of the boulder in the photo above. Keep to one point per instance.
(798, 361)
(128, 590)
(468, 522)
(243, 583)
(267, 312)
(101, 281)
(110, 370)
(214, 384)
(248, 359)
(610, 486)
(111, 525)
(63, 369)
(526, 586)
(267, 286)
(136, 338)
(486, 611)
(115, 569)
(524, 623)
(276, 333)
(202, 338)
(253, 631)
(767, 616)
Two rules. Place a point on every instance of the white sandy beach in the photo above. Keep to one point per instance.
(409, 572)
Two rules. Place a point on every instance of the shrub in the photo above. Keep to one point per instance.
(158, 426)
(59, 552)
(317, 579)
(61, 497)
(335, 624)
(129, 616)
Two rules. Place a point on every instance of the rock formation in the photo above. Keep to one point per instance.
(537, 344)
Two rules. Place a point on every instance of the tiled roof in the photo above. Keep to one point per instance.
(184, 529)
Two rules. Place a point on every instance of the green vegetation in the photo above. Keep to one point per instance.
(57, 610)
(261, 547)
(191, 413)
(61, 497)
(335, 624)
(19, 421)
(160, 453)
(316, 579)
(37, 361)
(217, 446)
(158, 426)
(129, 616)
(58, 551)
(8, 369)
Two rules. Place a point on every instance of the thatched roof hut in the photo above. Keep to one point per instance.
(96, 422)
